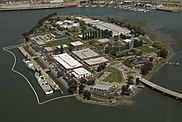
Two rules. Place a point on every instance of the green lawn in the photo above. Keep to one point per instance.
(115, 76)
(59, 42)
(147, 49)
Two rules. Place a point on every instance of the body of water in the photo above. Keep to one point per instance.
(18, 102)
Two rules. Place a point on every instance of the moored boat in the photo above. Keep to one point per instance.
(29, 64)
(43, 83)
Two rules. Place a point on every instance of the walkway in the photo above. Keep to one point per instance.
(169, 92)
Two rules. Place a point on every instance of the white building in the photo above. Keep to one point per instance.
(68, 24)
(81, 72)
(68, 62)
(105, 40)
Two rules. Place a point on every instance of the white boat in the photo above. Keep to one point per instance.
(29, 64)
(43, 83)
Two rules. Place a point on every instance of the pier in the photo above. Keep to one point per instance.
(47, 77)
(161, 89)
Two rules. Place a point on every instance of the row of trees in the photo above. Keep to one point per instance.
(146, 68)
(97, 34)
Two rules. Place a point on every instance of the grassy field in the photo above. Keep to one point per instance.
(115, 76)
(59, 42)
(147, 49)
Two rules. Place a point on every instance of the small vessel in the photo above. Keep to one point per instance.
(29, 64)
(43, 83)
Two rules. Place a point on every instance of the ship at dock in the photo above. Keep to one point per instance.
(29, 64)
(43, 83)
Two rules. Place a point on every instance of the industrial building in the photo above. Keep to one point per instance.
(93, 62)
(81, 72)
(68, 62)
(116, 30)
(85, 54)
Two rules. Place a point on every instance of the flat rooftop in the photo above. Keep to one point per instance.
(67, 61)
(81, 72)
(85, 53)
(105, 86)
(77, 43)
(111, 27)
(95, 61)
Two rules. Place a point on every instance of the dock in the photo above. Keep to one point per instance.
(37, 66)
(161, 89)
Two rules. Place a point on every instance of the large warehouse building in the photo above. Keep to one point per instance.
(85, 54)
(68, 62)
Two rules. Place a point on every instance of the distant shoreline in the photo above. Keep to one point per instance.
(37, 7)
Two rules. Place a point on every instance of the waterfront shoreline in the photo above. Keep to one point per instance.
(159, 36)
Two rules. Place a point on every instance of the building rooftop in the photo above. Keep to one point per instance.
(103, 86)
(85, 53)
(80, 72)
(95, 61)
(67, 61)
(111, 27)
(105, 40)
(77, 43)
(48, 49)
(127, 40)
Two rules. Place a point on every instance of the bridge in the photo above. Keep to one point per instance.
(161, 89)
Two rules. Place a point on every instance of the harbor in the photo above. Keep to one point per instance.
(38, 68)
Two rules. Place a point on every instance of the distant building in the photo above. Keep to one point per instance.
(49, 49)
(105, 40)
(81, 72)
(116, 30)
(93, 62)
(68, 62)
(130, 42)
(77, 45)
(85, 54)
(68, 24)
(56, 1)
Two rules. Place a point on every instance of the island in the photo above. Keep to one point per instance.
(98, 60)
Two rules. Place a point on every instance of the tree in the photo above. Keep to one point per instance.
(81, 89)
(137, 81)
(163, 53)
(72, 86)
(87, 95)
(101, 67)
(61, 49)
(83, 80)
(146, 68)
(125, 90)
(90, 82)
